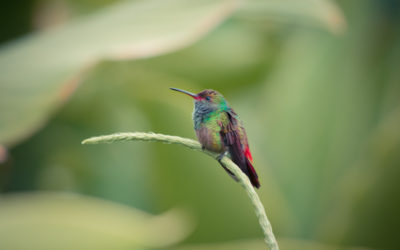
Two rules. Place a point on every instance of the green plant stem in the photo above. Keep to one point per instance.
(192, 144)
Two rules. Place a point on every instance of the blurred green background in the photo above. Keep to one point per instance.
(316, 82)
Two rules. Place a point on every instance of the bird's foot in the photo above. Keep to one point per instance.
(219, 158)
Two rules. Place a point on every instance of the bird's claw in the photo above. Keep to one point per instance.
(219, 158)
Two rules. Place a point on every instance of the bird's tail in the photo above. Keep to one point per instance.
(251, 173)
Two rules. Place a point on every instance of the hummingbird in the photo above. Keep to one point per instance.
(220, 130)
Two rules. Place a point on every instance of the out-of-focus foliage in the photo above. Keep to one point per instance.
(260, 245)
(50, 64)
(55, 221)
(315, 81)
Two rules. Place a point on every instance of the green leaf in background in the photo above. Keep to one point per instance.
(319, 99)
(53, 62)
(328, 109)
(39, 72)
(319, 13)
(66, 221)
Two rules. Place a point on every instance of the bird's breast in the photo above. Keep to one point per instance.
(210, 138)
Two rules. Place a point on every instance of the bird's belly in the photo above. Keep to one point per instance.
(210, 139)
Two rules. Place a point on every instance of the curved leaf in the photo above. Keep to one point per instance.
(67, 221)
(39, 72)
(323, 13)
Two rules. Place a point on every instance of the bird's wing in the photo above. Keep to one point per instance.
(235, 139)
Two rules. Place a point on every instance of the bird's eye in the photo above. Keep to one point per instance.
(208, 98)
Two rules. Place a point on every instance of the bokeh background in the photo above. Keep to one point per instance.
(317, 83)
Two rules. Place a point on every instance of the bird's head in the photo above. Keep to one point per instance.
(207, 98)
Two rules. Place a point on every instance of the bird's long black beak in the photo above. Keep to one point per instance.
(185, 92)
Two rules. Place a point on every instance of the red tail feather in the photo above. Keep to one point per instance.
(248, 155)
